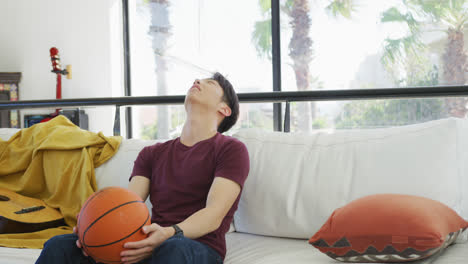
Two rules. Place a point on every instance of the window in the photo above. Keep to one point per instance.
(173, 42)
(372, 44)
(325, 45)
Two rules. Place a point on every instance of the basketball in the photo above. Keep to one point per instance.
(108, 219)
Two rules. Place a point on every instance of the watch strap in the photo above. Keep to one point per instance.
(177, 230)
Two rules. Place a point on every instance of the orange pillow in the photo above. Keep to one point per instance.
(388, 228)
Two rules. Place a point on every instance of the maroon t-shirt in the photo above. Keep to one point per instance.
(181, 178)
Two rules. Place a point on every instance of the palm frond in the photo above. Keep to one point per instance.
(287, 7)
(265, 6)
(433, 8)
(392, 51)
(261, 38)
(394, 15)
(344, 8)
(396, 50)
(449, 12)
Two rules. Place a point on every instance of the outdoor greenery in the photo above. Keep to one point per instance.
(300, 46)
(397, 112)
(410, 54)
(405, 59)
(150, 131)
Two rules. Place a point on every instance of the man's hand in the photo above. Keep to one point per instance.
(142, 249)
(78, 244)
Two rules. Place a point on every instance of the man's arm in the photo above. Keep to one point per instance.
(222, 195)
(140, 185)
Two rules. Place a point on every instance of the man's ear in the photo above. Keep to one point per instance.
(224, 110)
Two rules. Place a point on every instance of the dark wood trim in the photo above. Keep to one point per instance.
(10, 77)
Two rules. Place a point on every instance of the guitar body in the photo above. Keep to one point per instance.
(21, 214)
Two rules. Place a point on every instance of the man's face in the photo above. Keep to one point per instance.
(205, 92)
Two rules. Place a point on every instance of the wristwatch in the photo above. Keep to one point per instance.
(177, 230)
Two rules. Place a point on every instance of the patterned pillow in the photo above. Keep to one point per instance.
(388, 228)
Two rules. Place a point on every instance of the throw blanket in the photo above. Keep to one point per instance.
(55, 162)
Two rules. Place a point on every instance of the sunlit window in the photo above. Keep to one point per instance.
(360, 44)
(325, 45)
(174, 41)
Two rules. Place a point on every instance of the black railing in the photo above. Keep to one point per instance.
(265, 97)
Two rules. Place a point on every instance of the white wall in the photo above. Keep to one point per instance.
(88, 34)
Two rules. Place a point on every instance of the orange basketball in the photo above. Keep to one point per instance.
(110, 218)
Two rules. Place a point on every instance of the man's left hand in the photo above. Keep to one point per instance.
(140, 250)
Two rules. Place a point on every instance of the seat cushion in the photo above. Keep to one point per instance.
(253, 249)
(18, 255)
(455, 254)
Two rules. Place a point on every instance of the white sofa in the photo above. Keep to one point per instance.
(297, 180)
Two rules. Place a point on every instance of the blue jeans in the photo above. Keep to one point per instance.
(177, 249)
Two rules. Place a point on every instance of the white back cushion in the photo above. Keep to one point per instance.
(297, 180)
(116, 171)
(6, 133)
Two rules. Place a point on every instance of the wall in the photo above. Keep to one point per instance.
(88, 34)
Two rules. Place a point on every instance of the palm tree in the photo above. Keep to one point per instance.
(300, 45)
(160, 31)
(453, 15)
(300, 51)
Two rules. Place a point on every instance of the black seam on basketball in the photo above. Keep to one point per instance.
(84, 233)
(99, 260)
(147, 217)
(117, 261)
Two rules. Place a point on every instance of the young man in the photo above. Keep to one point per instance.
(194, 183)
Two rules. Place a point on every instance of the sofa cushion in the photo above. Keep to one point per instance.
(388, 228)
(297, 180)
(253, 249)
(116, 171)
(6, 133)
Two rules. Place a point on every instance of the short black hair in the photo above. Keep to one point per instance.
(230, 98)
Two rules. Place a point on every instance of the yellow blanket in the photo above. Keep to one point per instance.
(53, 161)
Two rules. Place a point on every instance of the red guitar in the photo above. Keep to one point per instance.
(57, 68)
